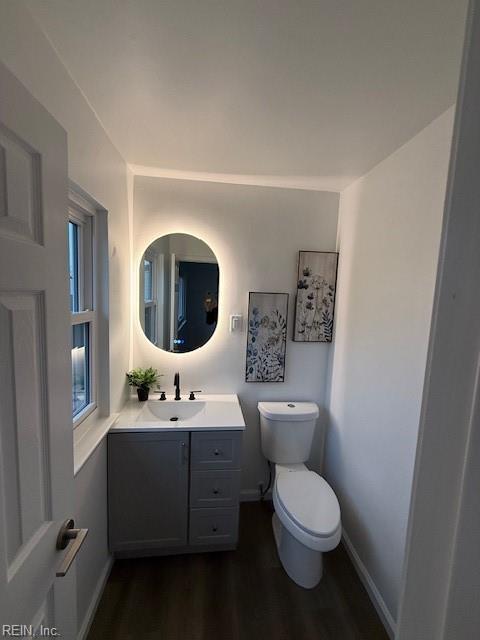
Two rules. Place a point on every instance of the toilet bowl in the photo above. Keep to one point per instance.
(307, 521)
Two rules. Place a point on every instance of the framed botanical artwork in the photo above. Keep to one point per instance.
(267, 337)
(315, 304)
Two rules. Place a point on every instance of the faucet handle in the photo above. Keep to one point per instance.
(192, 394)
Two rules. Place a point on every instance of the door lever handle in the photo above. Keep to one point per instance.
(66, 534)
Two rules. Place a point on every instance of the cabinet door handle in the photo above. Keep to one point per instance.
(217, 452)
(215, 491)
(184, 452)
(214, 529)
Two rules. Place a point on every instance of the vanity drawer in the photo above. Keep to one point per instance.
(213, 526)
(214, 488)
(212, 450)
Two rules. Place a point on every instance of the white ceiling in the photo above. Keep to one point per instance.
(312, 88)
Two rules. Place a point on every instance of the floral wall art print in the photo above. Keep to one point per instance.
(267, 337)
(317, 277)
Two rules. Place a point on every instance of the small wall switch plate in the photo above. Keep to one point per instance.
(236, 323)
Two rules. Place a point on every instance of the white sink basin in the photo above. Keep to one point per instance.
(220, 411)
(171, 411)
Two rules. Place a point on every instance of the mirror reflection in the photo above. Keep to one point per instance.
(178, 292)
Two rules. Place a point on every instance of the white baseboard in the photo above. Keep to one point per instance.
(375, 596)
(97, 594)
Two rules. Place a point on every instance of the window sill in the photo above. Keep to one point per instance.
(88, 435)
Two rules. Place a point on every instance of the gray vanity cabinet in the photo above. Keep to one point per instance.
(216, 450)
(214, 487)
(173, 491)
(148, 477)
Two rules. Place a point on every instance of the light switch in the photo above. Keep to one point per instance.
(236, 323)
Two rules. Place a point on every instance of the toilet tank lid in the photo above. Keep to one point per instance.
(291, 411)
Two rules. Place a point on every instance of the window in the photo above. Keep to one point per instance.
(149, 300)
(148, 280)
(80, 367)
(73, 264)
(81, 266)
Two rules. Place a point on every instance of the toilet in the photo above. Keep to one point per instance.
(306, 522)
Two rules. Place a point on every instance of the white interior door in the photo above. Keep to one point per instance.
(36, 451)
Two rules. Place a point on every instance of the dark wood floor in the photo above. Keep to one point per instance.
(234, 595)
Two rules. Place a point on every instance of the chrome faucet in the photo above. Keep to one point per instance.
(176, 382)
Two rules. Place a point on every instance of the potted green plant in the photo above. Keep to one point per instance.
(143, 380)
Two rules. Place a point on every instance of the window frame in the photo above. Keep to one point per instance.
(83, 214)
(153, 303)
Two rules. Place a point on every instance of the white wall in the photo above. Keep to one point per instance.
(389, 234)
(441, 588)
(256, 233)
(95, 561)
(97, 167)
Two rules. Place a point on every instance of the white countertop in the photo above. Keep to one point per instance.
(206, 413)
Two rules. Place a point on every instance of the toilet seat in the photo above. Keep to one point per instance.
(308, 508)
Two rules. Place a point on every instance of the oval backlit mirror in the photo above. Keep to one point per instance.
(178, 293)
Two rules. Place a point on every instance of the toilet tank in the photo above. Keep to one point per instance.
(286, 430)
